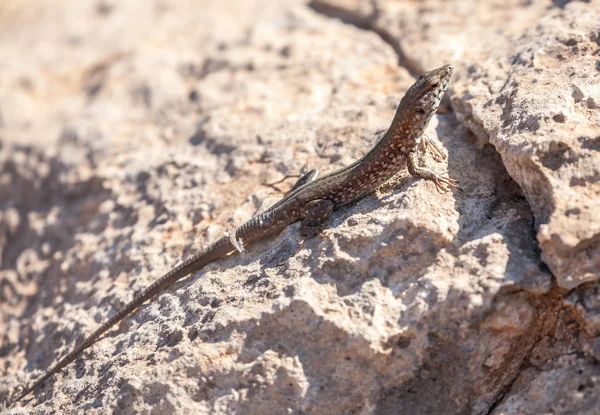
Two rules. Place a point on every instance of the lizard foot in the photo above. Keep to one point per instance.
(443, 184)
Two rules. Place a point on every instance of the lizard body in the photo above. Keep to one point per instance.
(313, 200)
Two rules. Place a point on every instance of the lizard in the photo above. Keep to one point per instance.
(311, 199)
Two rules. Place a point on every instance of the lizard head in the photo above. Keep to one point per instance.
(425, 95)
(422, 99)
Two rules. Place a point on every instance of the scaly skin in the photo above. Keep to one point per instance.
(313, 200)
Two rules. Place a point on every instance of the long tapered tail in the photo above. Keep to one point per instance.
(217, 250)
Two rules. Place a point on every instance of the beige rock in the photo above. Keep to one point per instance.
(133, 133)
(531, 105)
(531, 91)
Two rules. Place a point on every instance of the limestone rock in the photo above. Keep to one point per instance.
(536, 103)
(134, 133)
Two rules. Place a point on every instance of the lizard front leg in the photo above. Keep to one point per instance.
(441, 183)
(428, 145)
(318, 212)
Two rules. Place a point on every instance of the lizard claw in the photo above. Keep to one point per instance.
(443, 184)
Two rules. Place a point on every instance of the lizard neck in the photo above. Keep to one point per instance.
(390, 153)
(386, 158)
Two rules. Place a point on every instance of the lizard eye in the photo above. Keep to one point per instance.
(420, 110)
(435, 85)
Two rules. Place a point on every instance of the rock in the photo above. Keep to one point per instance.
(558, 390)
(530, 105)
(134, 133)
(524, 90)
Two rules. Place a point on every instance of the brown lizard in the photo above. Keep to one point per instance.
(312, 200)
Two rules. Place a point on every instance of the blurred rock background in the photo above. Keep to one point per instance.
(133, 133)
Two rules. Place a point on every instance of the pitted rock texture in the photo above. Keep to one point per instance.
(530, 90)
(134, 133)
(537, 106)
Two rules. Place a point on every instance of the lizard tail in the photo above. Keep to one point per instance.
(194, 263)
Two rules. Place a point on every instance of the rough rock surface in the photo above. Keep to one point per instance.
(134, 133)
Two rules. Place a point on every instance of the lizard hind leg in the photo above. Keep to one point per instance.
(318, 212)
(305, 178)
